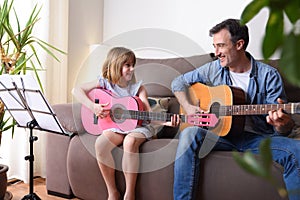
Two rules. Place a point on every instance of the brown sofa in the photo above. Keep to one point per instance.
(72, 169)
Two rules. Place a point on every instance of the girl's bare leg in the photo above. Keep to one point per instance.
(131, 161)
(103, 146)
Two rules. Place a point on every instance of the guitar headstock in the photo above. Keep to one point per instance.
(205, 120)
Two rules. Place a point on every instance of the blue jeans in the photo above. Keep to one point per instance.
(285, 151)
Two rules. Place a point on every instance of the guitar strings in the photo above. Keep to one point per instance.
(253, 109)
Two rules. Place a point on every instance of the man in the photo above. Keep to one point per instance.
(262, 85)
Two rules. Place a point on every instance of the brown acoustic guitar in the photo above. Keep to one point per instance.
(228, 104)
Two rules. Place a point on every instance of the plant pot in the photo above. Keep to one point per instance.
(3, 182)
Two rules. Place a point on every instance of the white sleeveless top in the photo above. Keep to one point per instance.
(131, 90)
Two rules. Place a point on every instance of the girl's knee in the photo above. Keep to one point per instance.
(132, 143)
(103, 143)
(100, 147)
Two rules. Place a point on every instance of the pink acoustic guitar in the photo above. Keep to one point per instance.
(127, 112)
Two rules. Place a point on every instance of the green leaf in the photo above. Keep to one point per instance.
(252, 9)
(21, 65)
(51, 46)
(249, 163)
(4, 16)
(18, 25)
(274, 33)
(36, 55)
(290, 62)
(266, 156)
(292, 10)
(8, 29)
(41, 44)
(30, 24)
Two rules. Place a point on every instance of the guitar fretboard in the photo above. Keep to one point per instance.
(258, 109)
(143, 115)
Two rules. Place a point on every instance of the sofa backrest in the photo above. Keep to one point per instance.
(157, 74)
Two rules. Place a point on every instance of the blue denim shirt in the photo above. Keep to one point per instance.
(265, 86)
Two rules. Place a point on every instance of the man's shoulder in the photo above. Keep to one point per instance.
(266, 65)
(270, 65)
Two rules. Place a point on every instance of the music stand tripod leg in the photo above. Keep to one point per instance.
(30, 158)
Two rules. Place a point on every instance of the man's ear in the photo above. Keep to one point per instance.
(240, 44)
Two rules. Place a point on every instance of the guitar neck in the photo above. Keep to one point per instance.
(257, 109)
(151, 116)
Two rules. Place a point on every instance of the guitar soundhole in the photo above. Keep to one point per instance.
(117, 114)
(215, 109)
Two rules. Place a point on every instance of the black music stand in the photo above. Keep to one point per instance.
(29, 108)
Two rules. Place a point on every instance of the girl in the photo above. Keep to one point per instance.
(117, 74)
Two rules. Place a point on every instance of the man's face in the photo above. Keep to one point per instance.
(224, 48)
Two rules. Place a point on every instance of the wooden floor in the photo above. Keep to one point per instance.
(20, 189)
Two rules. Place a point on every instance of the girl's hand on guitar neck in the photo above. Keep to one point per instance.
(282, 121)
(175, 121)
(100, 110)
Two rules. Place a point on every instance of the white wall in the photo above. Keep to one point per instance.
(190, 18)
(85, 28)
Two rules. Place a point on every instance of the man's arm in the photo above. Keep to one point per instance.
(184, 102)
(180, 85)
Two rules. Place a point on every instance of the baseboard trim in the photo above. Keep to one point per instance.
(66, 196)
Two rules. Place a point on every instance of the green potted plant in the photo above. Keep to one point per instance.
(18, 47)
(19, 51)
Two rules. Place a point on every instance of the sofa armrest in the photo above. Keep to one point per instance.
(57, 181)
(57, 147)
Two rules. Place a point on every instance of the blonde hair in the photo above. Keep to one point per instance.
(115, 60)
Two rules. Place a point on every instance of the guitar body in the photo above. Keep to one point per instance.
(95, 126)
(212, 99)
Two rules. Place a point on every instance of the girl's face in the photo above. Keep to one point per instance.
(127, 72)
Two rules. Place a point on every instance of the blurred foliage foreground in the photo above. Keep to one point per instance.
(276, 37)
(288, 43)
